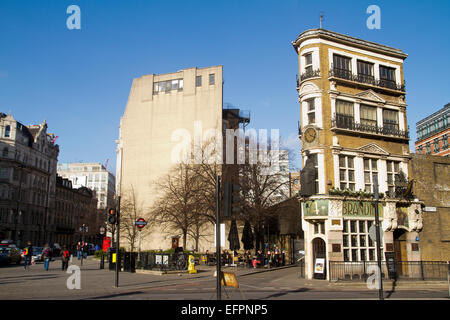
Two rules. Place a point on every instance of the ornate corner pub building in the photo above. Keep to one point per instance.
(354, 128)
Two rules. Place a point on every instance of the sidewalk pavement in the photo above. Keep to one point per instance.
(96, 283)
(296, 280)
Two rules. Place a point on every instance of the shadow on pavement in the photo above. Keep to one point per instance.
(280, 294)
(114, 295)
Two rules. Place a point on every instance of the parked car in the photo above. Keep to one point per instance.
(9, 255)
(7, 244)
(37, 254)
(91, 249)
(56, 249)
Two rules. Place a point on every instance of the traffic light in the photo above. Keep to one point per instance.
(112, 217)
(231, 199)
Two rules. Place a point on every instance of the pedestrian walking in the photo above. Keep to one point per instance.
(28, 255)
(79, 250)
(47, 255)
(65, 255)
(84, 250)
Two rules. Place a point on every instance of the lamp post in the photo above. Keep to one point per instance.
(83, 230)
(21, 166)
(218, 257)
(377, 231)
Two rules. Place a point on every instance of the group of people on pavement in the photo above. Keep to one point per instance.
(269, 259)
(47, 254)
(82, 250)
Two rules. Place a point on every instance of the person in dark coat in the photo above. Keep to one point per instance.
(259, 258)
(28, 255)
(65, 256)
(47, 255)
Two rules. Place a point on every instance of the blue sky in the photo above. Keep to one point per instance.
(79, 80)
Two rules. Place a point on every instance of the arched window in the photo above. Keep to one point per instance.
(7, 130)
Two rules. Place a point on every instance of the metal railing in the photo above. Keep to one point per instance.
(405, 270)
(365, 79)
(162, 261)
(347, 122)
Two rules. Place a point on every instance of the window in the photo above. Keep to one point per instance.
(420, 150)
(7, 131)
(341, 62)
(365, 71)
(368, 115)
(212, 79)
(390, 120)
(308, 63)
(387, 74)
(4, 173)
(370, 173)
(344, 114)
(356, 241)
(198, 81)
(311, 109)
(319, 227)
(428, 148)
(436, 145)
(313, 156)
(346, 172)
(167, 86)
(5, 151)
(444, 142)
(393, 168)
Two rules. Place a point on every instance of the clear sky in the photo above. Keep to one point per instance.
(79, 80)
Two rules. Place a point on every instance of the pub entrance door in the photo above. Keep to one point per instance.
(400, 250)
(319, 258)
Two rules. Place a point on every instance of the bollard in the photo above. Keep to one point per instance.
(102, 261)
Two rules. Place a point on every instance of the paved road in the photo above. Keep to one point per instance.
(284, 284)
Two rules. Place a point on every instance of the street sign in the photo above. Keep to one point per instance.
(373, 235)
(140, 223)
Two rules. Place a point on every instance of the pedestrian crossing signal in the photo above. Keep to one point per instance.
(112, 217)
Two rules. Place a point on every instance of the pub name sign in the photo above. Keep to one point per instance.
(360, 209)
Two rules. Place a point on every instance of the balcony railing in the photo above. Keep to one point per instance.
(307, 75)
(347, 122)
(365, 79)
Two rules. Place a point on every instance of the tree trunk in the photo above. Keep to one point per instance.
(184, 239)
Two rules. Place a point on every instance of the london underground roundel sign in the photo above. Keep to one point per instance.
(140, 223)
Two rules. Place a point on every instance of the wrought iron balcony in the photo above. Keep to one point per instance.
(365, 79)
(348, 123)
(307, 75)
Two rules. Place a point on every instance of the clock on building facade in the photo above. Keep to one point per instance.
(310, 135)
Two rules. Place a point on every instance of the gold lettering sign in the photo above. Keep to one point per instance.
(315, 208)
(229, 280)
(335, 222)
(361, 209)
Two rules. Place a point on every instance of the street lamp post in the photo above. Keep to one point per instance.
(83, 230)
(21, 166)
(378, 240)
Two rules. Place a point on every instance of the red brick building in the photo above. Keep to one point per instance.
(433, 133)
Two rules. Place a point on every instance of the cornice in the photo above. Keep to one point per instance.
(348, 40)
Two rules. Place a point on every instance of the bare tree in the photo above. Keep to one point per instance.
(178, 207)
(130, 211)
(263, 185)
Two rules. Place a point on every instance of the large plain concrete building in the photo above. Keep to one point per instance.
(161, 111)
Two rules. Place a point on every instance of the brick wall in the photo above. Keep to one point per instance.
(432, 186)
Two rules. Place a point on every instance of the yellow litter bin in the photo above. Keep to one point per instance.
(191, 266)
